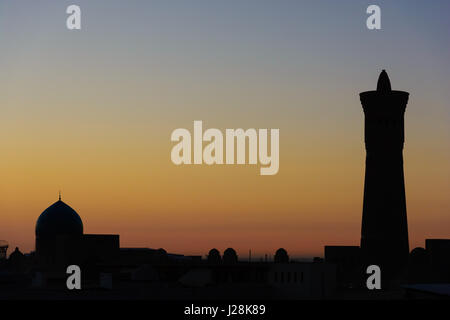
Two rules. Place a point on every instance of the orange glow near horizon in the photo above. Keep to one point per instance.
(150, 202)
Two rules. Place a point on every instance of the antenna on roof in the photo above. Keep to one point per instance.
(59, 195)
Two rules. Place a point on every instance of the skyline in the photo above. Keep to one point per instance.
(101, 105)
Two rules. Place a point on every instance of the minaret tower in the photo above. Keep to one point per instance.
(384, 232)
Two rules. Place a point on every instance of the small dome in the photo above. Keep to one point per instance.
(214, 256)
(281, 256)
(230, 256)
(59, 219)
(214, 252)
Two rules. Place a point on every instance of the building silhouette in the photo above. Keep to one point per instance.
(58, 232)
(281, 256)
(60, 239)
(384, 232)
(230, 256)
(214, 256)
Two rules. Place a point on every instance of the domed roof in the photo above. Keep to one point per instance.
(59, 219)
(230, 256)
(229, 251)
(281, 256)
(214, 256)
(214, 252)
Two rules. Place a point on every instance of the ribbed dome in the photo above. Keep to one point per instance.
(59, 219)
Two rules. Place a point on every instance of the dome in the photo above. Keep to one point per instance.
(214, 256)
(214, 252)
(59, 219)
(230, 256)
(281, 256)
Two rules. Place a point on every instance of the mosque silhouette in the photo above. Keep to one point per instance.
(60, 240)
(109, 271)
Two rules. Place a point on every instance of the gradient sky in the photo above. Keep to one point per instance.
(90, 112)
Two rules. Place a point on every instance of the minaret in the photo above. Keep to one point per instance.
(384, 232)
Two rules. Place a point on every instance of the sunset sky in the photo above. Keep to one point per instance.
(91, 112)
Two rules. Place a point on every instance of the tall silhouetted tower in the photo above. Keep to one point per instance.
(384, 232)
